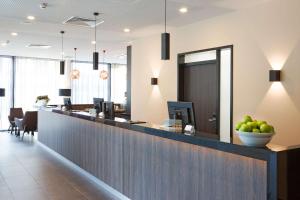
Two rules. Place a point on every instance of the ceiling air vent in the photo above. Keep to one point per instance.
(39, 46)
(79, 21)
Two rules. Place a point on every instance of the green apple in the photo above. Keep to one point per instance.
(247, 118)
(245, 128)
(265, 128)
(255, 130)
(238, 125)
(259, 123)
(252, 124)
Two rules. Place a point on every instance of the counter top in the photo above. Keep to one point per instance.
(233, 147)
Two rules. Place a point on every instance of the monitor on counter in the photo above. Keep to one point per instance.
(98, 104)
(183, 111)
(108, 110)
(67, 103)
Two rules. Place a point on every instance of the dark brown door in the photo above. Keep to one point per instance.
(200, 85)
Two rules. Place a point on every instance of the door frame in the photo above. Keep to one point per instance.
(180, 63)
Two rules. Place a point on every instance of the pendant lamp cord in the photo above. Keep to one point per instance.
(95, 32)
(62, 45)
(75, 49)
(104, 51)
(103, 69)
(165, 16)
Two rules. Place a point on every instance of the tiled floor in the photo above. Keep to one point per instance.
(29, 172)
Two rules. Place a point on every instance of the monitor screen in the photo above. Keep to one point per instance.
(183, 111)
(98, 104)
(67, 102)
(108, 110)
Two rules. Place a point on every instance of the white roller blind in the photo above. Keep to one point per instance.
(35, 77)
(89, 84)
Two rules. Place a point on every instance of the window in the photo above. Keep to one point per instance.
(32, 77)
(118, 83)
(6, 82)
(35, 77)
(89, 84)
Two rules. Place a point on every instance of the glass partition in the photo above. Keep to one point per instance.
(6, 82)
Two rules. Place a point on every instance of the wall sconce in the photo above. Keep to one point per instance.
(2, 92)
(274, 75)
(154, 81)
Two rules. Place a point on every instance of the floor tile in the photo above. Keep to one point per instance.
(5, 194)
(29, 172)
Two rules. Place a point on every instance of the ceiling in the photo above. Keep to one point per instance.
(143, 17)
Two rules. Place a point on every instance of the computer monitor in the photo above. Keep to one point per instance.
(183, 111)
(98, 104)
(108, 110)
(67, 103)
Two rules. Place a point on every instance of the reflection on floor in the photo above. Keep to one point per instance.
(29, 172)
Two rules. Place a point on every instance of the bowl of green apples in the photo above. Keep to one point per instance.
(255, 133)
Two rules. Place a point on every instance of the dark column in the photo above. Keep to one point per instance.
(128, 106)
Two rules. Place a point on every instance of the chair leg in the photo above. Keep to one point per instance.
(23, 134)
(13, 130)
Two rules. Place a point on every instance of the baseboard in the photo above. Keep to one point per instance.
(97, 181)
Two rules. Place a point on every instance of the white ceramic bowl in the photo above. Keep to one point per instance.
(254, 139)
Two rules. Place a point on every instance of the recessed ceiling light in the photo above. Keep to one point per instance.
(5, 43)
(126, 30)
(14, 34)
(183, 10)
(30, 17)
(93, 42)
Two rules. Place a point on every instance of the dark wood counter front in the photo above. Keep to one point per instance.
(147, 163)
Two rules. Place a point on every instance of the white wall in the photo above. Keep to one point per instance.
(264, 37)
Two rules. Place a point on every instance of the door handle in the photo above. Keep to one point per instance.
(213, 119)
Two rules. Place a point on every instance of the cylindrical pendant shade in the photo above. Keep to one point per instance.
(62, 67)
(95, 60)
(2, 92)
(165, 46)
(65, 92)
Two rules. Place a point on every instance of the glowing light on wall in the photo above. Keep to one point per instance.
(278, 61)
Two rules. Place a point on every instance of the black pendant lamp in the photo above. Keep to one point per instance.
(62, 62)
(165, 39)
(95, 53)
(2, 92)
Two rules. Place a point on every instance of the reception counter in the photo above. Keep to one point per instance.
(145, 161)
